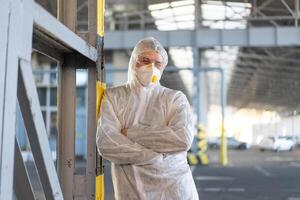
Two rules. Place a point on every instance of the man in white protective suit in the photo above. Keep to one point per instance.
(145, 130)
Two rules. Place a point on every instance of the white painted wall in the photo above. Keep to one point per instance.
(285, 126)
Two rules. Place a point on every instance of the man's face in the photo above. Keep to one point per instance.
(149, 57)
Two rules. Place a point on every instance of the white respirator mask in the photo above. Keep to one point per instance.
(148, 74)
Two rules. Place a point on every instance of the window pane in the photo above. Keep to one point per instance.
(44, 116)
(53, 128)
(53, 76)
(53, 97)
(42, 96)
(80, 97)
(39, 78)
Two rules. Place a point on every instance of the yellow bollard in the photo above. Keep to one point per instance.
(223, 148)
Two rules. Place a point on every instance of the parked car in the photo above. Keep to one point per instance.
(232, 143)
(278, 143)
(295, 139)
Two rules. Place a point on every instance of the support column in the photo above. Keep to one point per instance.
(91, 109)
(297, 12)
(9, 36)
(66, 112)
(197, 83)
(91, 133)
(197, 63)
(66, 97)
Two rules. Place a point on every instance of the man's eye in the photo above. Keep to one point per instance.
(158, 64)
(146, 61)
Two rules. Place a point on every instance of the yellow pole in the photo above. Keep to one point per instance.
(99, 190)
(223, 148)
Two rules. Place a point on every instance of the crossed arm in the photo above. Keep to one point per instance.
(144, 144)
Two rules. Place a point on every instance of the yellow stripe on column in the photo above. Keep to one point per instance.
(100, 92)
(100, 17)
(100, 88)
(100, 187)
(99, 190)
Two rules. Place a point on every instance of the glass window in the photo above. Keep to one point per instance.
(42, 95)
(53, 75)
(44, 116)
(38, 77)
(80, 97)
(53, 96)
(53, 124)
(82, 15)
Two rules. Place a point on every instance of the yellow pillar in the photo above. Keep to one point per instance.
(223, 148)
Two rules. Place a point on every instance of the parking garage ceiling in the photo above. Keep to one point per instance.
(268, 78)
(262, 78)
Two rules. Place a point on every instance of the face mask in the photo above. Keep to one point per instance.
(148, 74)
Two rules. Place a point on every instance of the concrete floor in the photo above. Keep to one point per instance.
(250, 175)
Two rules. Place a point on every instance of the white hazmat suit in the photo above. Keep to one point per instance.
(151, 162)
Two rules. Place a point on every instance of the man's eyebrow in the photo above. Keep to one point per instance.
(146, 58)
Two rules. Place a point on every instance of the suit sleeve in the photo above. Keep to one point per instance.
(177, 136)
(114, 146)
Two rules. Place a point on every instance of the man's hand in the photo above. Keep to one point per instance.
(124, 131)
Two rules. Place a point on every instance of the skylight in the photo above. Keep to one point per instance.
(174, 15)
(229, 15)
(180, 15)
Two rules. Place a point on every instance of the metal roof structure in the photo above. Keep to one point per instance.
(262, 77)
(264, 73)
(268, 78)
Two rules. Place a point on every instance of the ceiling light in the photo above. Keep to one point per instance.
(186, 25)
(158, 6)
(184, 10)
(182, 3)
(185, 18)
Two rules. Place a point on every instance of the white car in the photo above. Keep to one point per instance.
(296, 139)
(279, 143)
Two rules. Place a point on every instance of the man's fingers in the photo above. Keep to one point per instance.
(124, 131)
